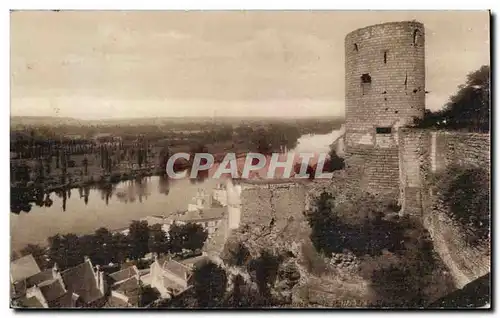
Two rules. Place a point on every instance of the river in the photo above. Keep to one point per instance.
(85, 210)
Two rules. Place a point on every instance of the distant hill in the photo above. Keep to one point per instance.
(19, 121)
(44, 121)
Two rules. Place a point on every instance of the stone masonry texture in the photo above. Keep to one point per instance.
(385, 88)
(397, 89)
(421, 153)
(282, 205)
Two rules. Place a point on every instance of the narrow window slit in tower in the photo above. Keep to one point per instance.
(355, 47)
(385, 57)
(366, 80)
(415, 36)
(383, 130)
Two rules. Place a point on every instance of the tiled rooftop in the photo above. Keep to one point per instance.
(52, 289)
(124, 274)
(81, 281)
(175, 267)
(23, 268)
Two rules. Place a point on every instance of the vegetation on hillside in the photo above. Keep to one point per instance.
(396, 254)
(104, 247)
(465, 191)
(468, 109)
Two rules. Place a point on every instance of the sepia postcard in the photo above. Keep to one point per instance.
(250, 159)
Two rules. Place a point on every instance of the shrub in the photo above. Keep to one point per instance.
(466, 192)
(354, 222)
(189, 236)
(265, 268)
(397, 255)
(235, 254)
(412, 277)
(209, 284)
(335, 162)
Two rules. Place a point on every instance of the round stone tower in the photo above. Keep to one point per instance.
(385, 89)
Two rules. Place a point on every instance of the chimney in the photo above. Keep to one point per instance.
(56, 273)
(99, 277)
(55, 270)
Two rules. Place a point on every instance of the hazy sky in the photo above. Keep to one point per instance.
(104, 64)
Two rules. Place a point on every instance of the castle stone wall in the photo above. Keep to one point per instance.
(385, 89)
(277, 206)
(393, 55)
(378, 168)
(421, 153)
(460, 148)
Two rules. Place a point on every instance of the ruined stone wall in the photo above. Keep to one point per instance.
(422, 153)
(466, 149)
(281, 205)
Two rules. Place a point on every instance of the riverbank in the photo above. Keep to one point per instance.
(88, 204)
(53, 183)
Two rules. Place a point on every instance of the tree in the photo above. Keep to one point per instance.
(355, 223)
(190, 236)
(48, 165)
(40, 171)
(466, 192)
(85, 163)
(322, 222)
(411, 278)
(236, 254)
(164, 156)
(468, 109)
(58, 158)
(158, 242)
(139, 236)
(209, 283)
(242, 295)
(335, 162)
(38, 253)
(266, 272)
(102, 156)
(262, 141)
(121, 248)
(88, 247)
(103, 246)
(64, 164)
(65, 250)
